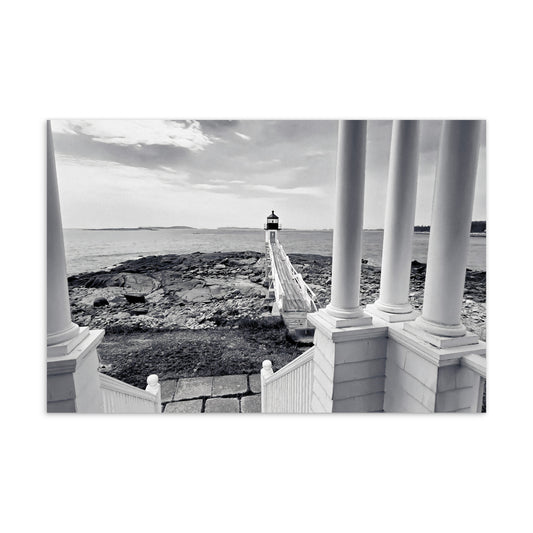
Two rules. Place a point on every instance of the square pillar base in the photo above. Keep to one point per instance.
(422, 378)
(391, 317)
(363, 320)
(349, 366)
(73, 380)
(441, 342)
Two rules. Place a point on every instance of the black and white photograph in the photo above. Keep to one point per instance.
(266, 266)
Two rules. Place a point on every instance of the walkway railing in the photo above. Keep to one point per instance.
(308, 296)
(290, 389)
(119, 397)
(276, 280)
(478, 364)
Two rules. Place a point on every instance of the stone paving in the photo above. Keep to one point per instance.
(238, 393)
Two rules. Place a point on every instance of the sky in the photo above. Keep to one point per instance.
(218, 173)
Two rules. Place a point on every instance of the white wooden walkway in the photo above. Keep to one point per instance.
(293, 297)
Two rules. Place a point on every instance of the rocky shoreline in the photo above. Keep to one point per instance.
(211, 294)
(210, 290)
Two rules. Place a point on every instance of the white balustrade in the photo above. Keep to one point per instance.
(289, 390)
(120, 397)
(153, 386)
(266, 372)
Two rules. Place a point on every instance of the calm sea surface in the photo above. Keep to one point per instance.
(96, 249)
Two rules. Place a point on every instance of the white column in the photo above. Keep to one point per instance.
(60, 327)
(347, 236)
(450, 228)
(399, 220)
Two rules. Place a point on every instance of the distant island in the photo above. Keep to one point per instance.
(477, 226)
(236, 227)
(140, 228)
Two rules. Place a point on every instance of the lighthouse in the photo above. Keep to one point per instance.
(272, 227)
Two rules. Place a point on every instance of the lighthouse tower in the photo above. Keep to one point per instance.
(272, 227)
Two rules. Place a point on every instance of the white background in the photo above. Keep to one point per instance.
(266, 60)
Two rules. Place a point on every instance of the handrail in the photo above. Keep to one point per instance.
(290, 389)
(120, 397)
(289, 367)
(475, 362)
(278, 287)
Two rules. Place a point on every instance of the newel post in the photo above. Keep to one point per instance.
(154, 387)
(266, 372)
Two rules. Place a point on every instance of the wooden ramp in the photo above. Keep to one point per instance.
(294, 298)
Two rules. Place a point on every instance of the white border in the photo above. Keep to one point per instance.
(267, 60)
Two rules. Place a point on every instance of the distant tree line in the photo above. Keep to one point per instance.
(478, 226)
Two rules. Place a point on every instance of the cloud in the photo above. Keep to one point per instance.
(185, 134)
(305, 191)
(290, 164)
(242, 136)
(225, 182)
(209, 186)
(117, 174)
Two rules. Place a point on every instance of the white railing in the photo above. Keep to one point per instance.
(478, 364)
(308, 295)
(119, 397)
(278, 287)
(290, 389)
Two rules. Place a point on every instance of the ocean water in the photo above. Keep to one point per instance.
(91, 250)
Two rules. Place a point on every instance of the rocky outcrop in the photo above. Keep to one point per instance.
(195, 291)
(203, 291)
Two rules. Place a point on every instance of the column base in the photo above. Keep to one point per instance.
(422, 378)
(65, 347)
(349, 366)
(418, 329)
(73, 380)
(373, 310)
(61, 337)
(343, 319)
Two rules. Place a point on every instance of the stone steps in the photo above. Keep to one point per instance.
(238, 393)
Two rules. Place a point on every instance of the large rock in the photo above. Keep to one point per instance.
(199, 294)
(100, 302)
(141, 310)
(135, 298)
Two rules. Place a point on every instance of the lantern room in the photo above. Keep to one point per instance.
(272, 221)
(272, 227)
